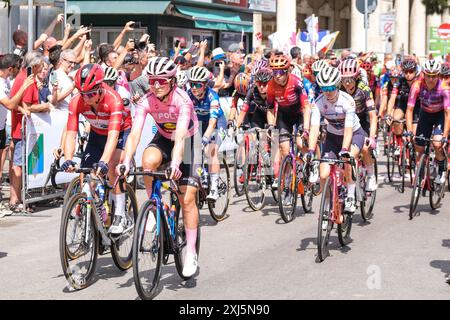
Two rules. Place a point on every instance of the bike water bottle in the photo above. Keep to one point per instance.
(101, 210)
(100, 190)
(172, 213)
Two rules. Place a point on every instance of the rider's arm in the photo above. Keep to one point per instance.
(233, 108)
(391, 102)
(71, 129)
(446, 94)
(384, 100)
(412, 98)
(372, 111)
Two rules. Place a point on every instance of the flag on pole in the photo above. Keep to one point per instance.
(327, 42)
(312, 25)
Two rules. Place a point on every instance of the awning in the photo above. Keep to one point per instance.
(217, 20)
(119, 7)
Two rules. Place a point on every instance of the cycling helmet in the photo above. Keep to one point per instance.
(367, 65)
(88, 77)
(445, 69)
(431, 67)
(111, 74)
(264, 75)
(279, 62)
(349, 68)
(396, 72)
(161, 67)
(329, 76)
(241, 83)
(319, 65)
(261, 64)
(409, 64)
(198, 74)
(297, 71)
(182, 78)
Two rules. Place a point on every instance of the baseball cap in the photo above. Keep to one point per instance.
(218, 54)
(234, 47)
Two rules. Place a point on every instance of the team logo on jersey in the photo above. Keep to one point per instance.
(169, 126)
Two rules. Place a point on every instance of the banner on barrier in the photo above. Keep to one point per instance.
(43, 135)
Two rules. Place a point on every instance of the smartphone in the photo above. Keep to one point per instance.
(137, 24)
(53, 78)
(177, 43)
(29, 71)
(88, 35)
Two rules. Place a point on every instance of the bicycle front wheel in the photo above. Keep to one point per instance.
(238, 173)
(417, 187)
(148, 252)
(436, 192)
(218, 209)
(390, 156)
(73, 188)
(254, 181)
(325, 224)
(121, 248)
(78, 242)
(287, 189)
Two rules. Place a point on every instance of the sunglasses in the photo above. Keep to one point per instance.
(431, 76)
(328, 88)
(92, 93)
(160, 81)
(410, 71)
(197, 85)
(348, 81)
(261, 84)
(279, 72)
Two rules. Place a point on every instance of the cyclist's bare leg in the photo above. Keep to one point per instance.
(113, 163)
(151, 161)
(190, 215)
(367, 157)
(280, 155)
(438, 147)
(324, 171)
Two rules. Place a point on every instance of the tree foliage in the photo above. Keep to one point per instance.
(435, 6)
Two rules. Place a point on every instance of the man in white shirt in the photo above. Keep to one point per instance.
(61, 85)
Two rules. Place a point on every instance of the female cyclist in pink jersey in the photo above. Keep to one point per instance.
(174, 115)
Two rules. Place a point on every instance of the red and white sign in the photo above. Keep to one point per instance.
(444, 31)
(387, 24)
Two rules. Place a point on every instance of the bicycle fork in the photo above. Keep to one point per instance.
(105, 239)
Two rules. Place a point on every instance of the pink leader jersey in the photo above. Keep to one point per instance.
(178, 113)
(431, 101)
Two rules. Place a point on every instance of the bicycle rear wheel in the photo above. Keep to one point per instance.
(148, 244)
(78, 242)
(417, 187)
(325, 224)
(238, 172)
(121, 248)
(287, 189)
(180, 243)
(308, 195)
(390, 158)
(344, 229)
(436, 192)
(403, 168)
(219, 208)
(254, 181)
(369, 203)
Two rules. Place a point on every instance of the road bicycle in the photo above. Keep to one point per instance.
(159, 232)
(257, 177)
(84, 230)
(332, 206)
(424, 179)
(293, 180)
(218, 209)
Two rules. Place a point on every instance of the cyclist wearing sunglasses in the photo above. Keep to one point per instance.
(175, 119)
(445, 74)
(287, 91)
(345, 136)
(398, 100)
(211, 120)
(365, 110)
(434, 113)
(110, 125)
(374, 81)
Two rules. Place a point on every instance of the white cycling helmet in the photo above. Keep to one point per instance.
(111, 74)
(319, 65)
(182, 78)
(329, 76)
(431, 67)
(198, 74)
(161, 67)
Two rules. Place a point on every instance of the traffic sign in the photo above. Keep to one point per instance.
(371, 6)
(387, 24)
(444, 31)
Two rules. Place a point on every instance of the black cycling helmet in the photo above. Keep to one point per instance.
(409, 64)
(445, 69)
(264, 75)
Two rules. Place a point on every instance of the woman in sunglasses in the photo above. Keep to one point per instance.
(345, 136)
(434, 117)
(398, 100)
(365, 110)
(110, 125)
(288, 92)
(176, 121)
(211, 118)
